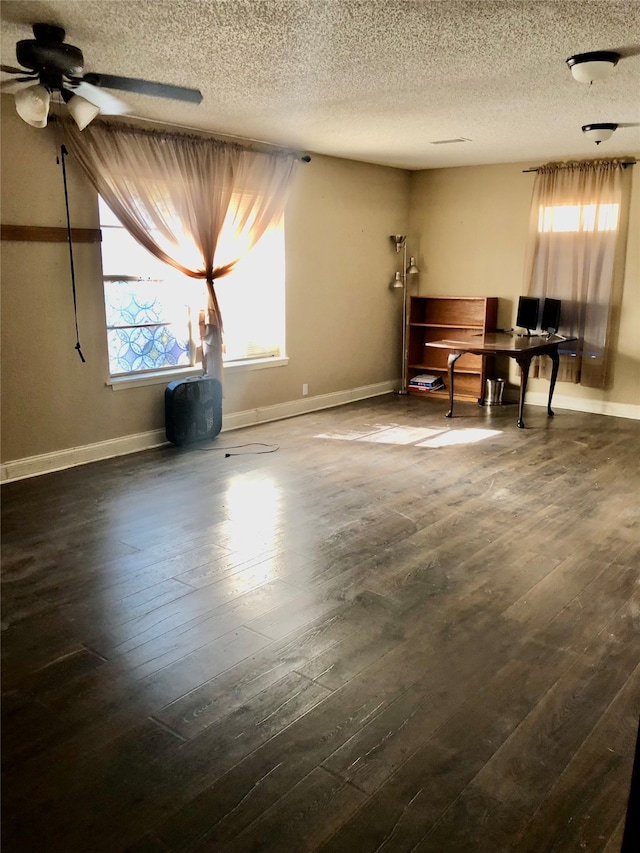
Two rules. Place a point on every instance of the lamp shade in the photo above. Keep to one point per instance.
(412, 269)
(82, 111)
(599, 132)
(397, 281)
(589, 67)
(32, 105)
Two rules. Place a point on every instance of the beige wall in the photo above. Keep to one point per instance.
(471, 225)
(343, 323)
(467, 228)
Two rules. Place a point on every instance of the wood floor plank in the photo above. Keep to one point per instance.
(543, 601)
(224, 693)
(614, 844)
(585, 615)
(585, 806)
(297, 821)
(148, 844)
(233, 801)
(107, 710)
(425, 640)
(457, 831)
(519, 775)
(217, 750)
(400, 813)
(186, 612)
(337, 665)
(48, 822)
(371, 756)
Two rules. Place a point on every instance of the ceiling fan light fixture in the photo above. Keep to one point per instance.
(32, 105)
(589, 67)
(599, 132)
(82, 111)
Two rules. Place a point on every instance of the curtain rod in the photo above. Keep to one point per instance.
(305, 158)
(624, 165)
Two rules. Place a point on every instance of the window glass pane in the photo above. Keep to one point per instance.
(575, 217)
(565, 217)
(608, 217)
(146, 348)
(106, 216)
(147, 326)
(122, 255)
(589, 217)
(131, 303)
(252, 300)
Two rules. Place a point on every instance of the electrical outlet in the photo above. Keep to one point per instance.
(305, 389)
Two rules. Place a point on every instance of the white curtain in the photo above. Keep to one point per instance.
(576, 225)
(173, 192)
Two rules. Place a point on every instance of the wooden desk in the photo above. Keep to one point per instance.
(519, 347)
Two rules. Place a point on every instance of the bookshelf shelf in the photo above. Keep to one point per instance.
(432, 318)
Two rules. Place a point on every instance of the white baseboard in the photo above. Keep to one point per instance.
(306, 404)
(578, 404)
(58, 460)
(33, 466)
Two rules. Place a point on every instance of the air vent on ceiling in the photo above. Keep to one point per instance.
(449, 141)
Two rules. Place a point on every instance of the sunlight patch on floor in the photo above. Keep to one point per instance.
(401, 435)
(418, 436)
(451, 438)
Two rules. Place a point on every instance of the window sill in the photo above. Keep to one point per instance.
(120, 383)
(163, 377)
(255, 364)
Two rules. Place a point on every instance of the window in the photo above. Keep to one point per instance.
(152, 309)
(578, 217)
(575, 255)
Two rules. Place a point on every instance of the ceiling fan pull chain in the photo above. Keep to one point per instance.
(63, 152)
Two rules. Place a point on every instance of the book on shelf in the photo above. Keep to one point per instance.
(427, 382)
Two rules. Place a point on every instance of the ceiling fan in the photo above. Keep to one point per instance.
(51, 65)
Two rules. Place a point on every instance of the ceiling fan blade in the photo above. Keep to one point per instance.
(109, 105)
(145, 87)
(9, 69)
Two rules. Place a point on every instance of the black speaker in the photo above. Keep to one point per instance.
(551, 315)
(528, 308)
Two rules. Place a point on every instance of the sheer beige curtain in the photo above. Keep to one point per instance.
(577, 222)
(173, 193)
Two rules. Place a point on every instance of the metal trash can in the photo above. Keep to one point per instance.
(494, 392)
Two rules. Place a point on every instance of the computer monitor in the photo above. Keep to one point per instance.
(528, 308)
(551, 315)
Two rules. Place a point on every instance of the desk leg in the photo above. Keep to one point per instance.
(555, 358)
(523, 364)
(453, 357)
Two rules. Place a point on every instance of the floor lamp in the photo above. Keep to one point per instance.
(400, 281)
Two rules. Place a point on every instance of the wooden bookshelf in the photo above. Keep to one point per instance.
(432, 318)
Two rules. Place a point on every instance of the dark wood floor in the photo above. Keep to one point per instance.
(394, 633)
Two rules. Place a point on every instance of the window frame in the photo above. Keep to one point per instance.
(162, 375)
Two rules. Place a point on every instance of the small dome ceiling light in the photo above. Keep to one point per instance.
(589, 67)
(599, 132)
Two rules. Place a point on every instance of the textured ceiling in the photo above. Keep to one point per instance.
(375, 80)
